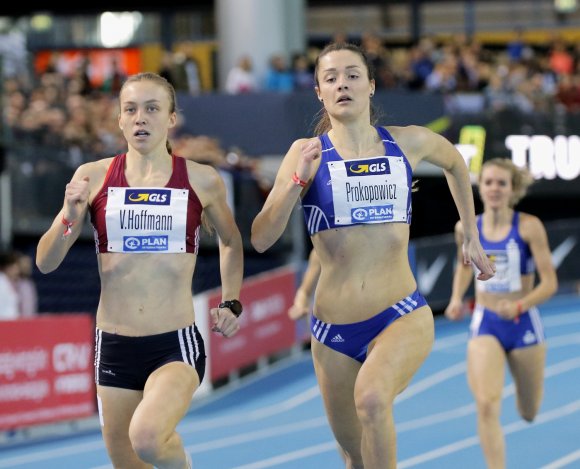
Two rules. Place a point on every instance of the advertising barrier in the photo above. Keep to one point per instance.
(433, 261)
(265, 325)
(46, 370)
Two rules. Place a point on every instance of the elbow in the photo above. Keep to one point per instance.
(259, 244)
(554, 286)
(43, 267)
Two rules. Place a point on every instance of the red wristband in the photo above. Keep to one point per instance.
(68, 226)
(299, 182)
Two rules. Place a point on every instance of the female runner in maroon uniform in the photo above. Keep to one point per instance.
(146, 209)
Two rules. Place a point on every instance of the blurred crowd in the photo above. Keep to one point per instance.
(19, 298)
(74, 120)
(515, 75)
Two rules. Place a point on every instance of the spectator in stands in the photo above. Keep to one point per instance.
(302, 73)
(9, 274)
(26, 287)
(150, 356)
(561, 60)
(568, 93)
(506, 324)
(518, 48)
(365, 351)
(241, 78)
(278, 76)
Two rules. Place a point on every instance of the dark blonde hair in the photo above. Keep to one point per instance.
(158, 80)
(323, 123)
(521, 178)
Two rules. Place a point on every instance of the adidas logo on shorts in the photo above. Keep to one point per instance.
(337, 338)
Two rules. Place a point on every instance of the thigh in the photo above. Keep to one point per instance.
(166, 398)
(485, 367)
(336, 374)
(116, 409)
(527, 368)
(397, 353)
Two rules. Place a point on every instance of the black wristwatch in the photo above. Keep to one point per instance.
(233, 305)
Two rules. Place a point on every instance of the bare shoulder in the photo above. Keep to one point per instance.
(412, 136)
(297, 144)
(93, 168)
(530, 225)
(416, 141)
(95, 171)
(204, 179)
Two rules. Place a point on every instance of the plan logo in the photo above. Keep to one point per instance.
(145, 243)
(377, 213)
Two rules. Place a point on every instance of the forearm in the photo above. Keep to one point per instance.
(461, 281)
(272, 220)
(460, 187)
(54, 245)
(543, 291)
(231, 269)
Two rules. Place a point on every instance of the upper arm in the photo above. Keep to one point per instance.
(420, 143)
(533, 232)
(211, 190)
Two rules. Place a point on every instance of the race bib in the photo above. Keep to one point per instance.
(507, 276)
(146, 220)
(370, 190)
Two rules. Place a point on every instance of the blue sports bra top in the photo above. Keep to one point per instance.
(512, 256)
(359, 191)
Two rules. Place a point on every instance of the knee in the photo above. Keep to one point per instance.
(146, 443)
(529, 413)
(488, 407)
(371, 405)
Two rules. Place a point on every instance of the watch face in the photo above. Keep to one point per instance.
(234, 305)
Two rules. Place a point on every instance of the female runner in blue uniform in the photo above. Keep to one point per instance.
(371, 327)
(506, 324)
(146, 208)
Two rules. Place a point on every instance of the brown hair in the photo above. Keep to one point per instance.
(323, 123)
(521, 178)
(161, 81)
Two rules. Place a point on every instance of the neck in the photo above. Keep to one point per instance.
(355, 138)
(500, 216)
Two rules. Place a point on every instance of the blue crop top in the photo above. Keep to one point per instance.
(359, 191)
(512, 256)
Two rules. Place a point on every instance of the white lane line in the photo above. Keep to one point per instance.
(261, 413)
(442, 417)
(542, 418)
(564, 461)
(311, 393)
(261, 434)
(292, 456)
(53, 453)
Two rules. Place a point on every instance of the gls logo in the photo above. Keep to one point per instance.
(148, 197)
(368, 167)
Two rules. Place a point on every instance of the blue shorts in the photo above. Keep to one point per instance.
(353, 339)
(511, 334)
(127, 362)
